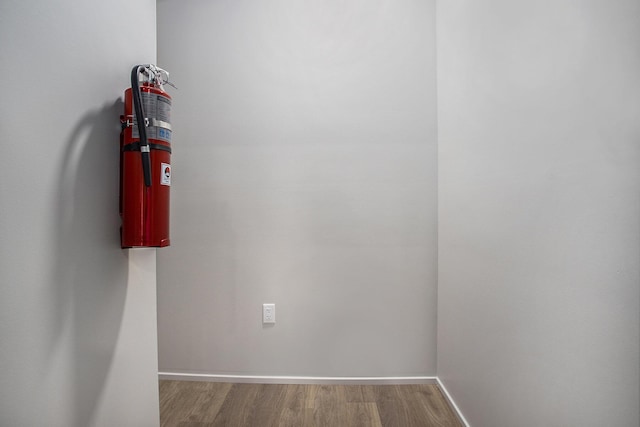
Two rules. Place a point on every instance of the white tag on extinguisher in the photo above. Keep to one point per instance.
(165, 176)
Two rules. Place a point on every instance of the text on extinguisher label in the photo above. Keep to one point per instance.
(155, 107)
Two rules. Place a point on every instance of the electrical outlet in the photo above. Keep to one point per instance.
(268, 313)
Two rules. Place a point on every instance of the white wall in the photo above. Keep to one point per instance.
(305, 176)
(539, 211)
(77, 314)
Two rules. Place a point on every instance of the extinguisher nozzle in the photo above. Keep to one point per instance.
(146, 165)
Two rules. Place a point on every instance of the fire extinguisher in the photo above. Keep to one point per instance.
(145, 159)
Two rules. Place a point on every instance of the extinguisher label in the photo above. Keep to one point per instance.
(165, 176)
(155, 107)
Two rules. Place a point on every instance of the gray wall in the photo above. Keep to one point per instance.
(539, 211)
(77, 314)
(304, 174)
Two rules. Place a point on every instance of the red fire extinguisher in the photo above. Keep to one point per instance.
(145, 159)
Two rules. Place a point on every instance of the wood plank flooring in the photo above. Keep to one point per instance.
(200, 404)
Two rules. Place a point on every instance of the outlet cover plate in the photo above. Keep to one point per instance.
(268, 313)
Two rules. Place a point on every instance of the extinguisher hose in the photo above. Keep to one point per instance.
(142, 129)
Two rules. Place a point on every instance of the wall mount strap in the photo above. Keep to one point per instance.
(157, 123)
(135, 146)
(128, 121)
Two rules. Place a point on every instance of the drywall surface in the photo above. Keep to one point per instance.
(539, 211)
(304, 174)
(78, 340)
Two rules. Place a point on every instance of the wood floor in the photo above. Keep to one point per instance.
(200, 404)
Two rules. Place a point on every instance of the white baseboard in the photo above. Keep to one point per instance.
(260, 379)
(461, 417)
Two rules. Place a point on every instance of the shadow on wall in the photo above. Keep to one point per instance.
(90, 268)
